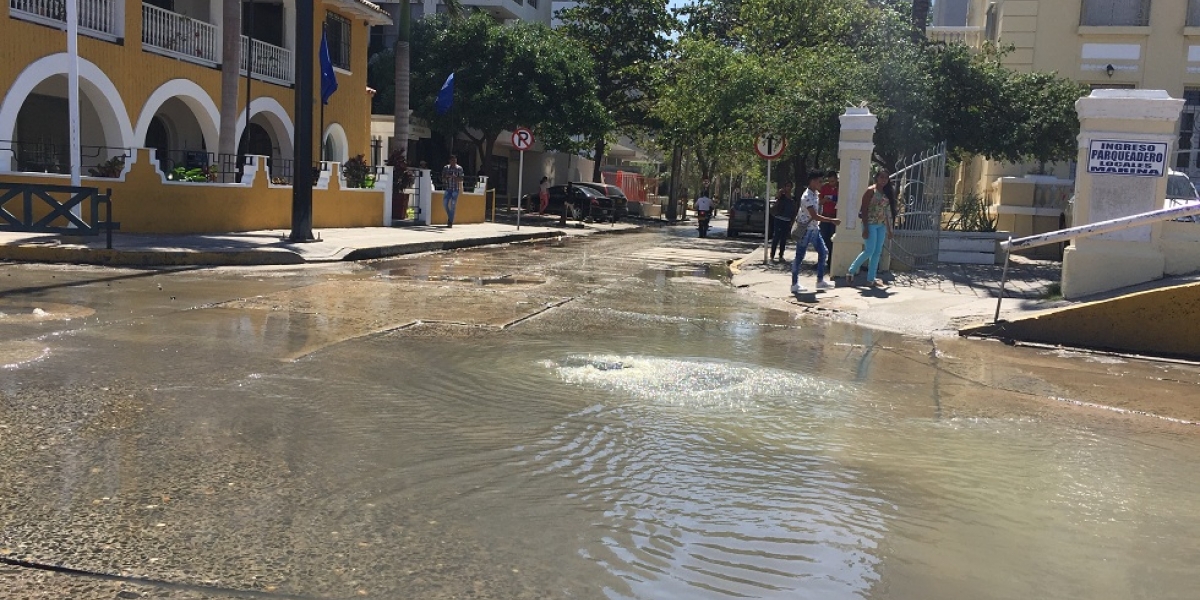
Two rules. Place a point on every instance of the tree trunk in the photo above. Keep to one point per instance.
(401, 128)
(920, 18)
(231, 62)
(601, 146)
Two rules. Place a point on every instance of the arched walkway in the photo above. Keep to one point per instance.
(185, 111)
(335, 147)
(267, 113)
(38, 129)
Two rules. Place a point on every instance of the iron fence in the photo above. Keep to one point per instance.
(40, 157)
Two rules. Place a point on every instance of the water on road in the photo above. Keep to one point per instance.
(602, 419)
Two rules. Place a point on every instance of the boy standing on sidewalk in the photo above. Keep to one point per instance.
(807, 231)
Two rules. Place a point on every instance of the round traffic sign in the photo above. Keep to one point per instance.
(522, 139)
(770, 146)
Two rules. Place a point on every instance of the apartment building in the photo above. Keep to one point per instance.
(150, 78)
(1145, 44)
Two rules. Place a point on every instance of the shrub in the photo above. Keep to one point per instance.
(193, 174)
(358, 173)
(971, 213)
(404, 179)
(110, 168)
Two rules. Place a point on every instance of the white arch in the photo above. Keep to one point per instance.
(341, 144)
(93, 83)
(278, 118)
(194, 96)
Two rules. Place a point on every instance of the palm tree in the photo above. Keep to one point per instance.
(920, 17)
(231, 59)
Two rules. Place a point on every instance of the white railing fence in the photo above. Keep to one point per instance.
(95, 16)
(270, 62)
(968, 36)
(179, 35)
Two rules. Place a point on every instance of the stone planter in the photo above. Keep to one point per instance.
(971, 247)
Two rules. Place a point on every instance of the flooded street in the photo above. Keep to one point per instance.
(603, 418)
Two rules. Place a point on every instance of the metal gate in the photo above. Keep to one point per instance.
(920, 185)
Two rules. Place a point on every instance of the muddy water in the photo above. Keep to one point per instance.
(557, 422)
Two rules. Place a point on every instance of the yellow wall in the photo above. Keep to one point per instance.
(143, 203)
(137, 73)
(471, 208)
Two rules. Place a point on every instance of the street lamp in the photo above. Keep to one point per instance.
(302, 145)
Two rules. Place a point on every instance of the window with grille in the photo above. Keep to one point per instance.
(337, 32)
(1116, 13)
(1193, 16)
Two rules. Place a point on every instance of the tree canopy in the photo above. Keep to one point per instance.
(505, 76)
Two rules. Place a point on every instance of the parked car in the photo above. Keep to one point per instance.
(583, 203)
(747, 215)
(1181, 192)
(614, 193)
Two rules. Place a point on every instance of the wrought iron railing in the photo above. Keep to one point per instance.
(39, 157)
(95, 16)
(180, 35)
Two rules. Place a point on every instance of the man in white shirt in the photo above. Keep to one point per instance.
(704, 206)
(807, 231)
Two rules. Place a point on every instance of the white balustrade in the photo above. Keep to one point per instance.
(271, 62)
(178, 35)
(96, 17)
(971, 37)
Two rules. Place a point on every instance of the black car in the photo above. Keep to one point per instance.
(584, 202)
(614, 193)
(748, 215)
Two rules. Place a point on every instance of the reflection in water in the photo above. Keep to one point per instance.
(650, 436)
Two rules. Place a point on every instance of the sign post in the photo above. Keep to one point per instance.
(522, 140)
(770, 147)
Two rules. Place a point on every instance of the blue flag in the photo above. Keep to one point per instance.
(328, 77)
(445, 97)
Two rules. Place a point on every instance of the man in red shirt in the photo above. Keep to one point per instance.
(829, 199)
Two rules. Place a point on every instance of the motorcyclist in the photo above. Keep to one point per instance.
(704, 206)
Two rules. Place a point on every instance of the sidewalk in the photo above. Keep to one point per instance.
(272, 248)
(937, 301)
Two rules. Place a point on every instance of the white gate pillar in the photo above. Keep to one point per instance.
(855, 148)
(1125, 137)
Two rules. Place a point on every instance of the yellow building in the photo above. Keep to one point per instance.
(150, 78)
(1143, 44)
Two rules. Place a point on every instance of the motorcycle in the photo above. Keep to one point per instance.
(704, 217)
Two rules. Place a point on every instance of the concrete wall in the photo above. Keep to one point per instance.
(1163, 322)
(144, 202)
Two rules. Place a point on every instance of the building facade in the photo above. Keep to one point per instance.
(150, 77)
(1143, 44)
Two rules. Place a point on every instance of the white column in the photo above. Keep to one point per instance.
(1110, 121)
(855, 148)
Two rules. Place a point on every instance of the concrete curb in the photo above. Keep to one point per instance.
(419, 247)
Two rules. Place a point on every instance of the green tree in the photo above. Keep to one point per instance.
(627, 40)
(506, 76)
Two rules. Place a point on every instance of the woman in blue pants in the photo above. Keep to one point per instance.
(877, 213)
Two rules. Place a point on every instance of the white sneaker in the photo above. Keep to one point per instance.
(796, 289)
(824, 285)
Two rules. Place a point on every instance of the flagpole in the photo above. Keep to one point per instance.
(249, 78)
(323, 50)
(73, 90)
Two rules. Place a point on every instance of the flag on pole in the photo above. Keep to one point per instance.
(328, 77)
(445, 97)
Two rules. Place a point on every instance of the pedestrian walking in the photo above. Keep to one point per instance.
(452, 180)
(782, 214)
(877, 213)
(806, 231)
(829, 199)
(543, 194)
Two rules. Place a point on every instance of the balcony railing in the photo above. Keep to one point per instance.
(97, 18)
(271, 63)
(971, 37)
(166, 32)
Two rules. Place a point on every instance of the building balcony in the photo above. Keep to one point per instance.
(185, 38)
(97, 18)
(972, 37)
